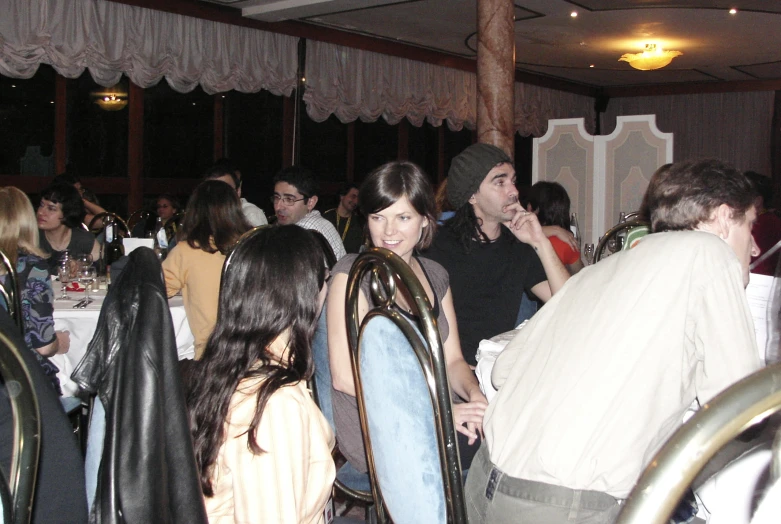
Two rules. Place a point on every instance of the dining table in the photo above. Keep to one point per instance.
(81, 323)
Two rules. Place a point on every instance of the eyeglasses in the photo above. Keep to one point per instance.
(286, 200)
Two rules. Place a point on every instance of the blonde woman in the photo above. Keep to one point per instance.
(19, 241)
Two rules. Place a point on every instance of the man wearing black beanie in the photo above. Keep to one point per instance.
(492, 248)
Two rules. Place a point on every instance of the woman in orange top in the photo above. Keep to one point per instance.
(550, 202)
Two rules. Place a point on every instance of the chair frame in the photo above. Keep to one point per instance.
(173, 224)
(137, 216)
(676, 465)
(18, 488)
(100, 216)
(389, 272)
(614, 231)
(12, 294)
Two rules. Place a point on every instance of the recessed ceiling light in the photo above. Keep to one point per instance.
(574, 14)
(13, 85)
(592, 65)
(733, 11)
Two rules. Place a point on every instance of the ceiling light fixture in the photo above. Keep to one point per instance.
(733, 11)
(652, 58)
(111, 102)
(574, 14)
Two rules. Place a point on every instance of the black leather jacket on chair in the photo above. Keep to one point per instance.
(147, 472)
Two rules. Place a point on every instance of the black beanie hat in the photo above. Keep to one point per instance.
(468, 170)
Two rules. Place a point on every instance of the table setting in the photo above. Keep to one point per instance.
(77, 309)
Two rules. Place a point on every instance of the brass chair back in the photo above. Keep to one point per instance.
(135, 217)
(172, 225)
(389, 273)
(9, 289)
(17, 486)
(613, 234)
(98, 219)
(675, 466)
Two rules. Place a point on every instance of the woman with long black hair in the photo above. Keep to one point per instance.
(262, 446)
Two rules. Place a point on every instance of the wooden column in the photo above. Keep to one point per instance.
(219, 126)
(495, 73)
(60, 124)
(351, 152)
(403, 149)
(135, 147)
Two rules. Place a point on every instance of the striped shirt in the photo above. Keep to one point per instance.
(314, 220)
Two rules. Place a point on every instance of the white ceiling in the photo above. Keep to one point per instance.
(716, 45)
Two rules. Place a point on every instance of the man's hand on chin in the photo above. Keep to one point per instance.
(524, 225)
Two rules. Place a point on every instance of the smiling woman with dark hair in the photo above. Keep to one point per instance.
(398, 202)
(212, 224)
(262, 446)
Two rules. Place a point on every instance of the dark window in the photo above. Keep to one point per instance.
(423, 148)
(324, 148)
(97, 119)
(178, 132)
(375, 144)
(523, 159)
(253, 142)
(27, 124)
(455, 142)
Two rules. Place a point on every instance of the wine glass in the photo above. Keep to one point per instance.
(87, 275)
(84, 260)
(65, 274)
(588, 254)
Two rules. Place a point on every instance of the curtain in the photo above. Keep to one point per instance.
(110, 39)
(535, 105)
(733, 127)
(351, 84)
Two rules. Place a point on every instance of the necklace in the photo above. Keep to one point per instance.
(346, 226)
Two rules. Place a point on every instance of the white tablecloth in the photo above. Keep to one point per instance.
(81, 323)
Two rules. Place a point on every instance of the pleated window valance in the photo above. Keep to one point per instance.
(352, 84)
(110, 39)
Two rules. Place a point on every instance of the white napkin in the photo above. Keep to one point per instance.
(132, 243)
(487, 353)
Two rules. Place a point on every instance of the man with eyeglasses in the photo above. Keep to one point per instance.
(295, 198)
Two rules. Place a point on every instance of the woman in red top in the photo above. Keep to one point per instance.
(550, 202)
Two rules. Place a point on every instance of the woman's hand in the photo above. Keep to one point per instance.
(469, 417)
(562, 234)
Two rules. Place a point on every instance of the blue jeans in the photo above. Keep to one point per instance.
(492, 496)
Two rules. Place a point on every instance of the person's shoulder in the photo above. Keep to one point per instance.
(445, 238)
(432, 266)
(80, 233)
(678, 248)
(437, 273)
(30, 259)
(345, 263)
